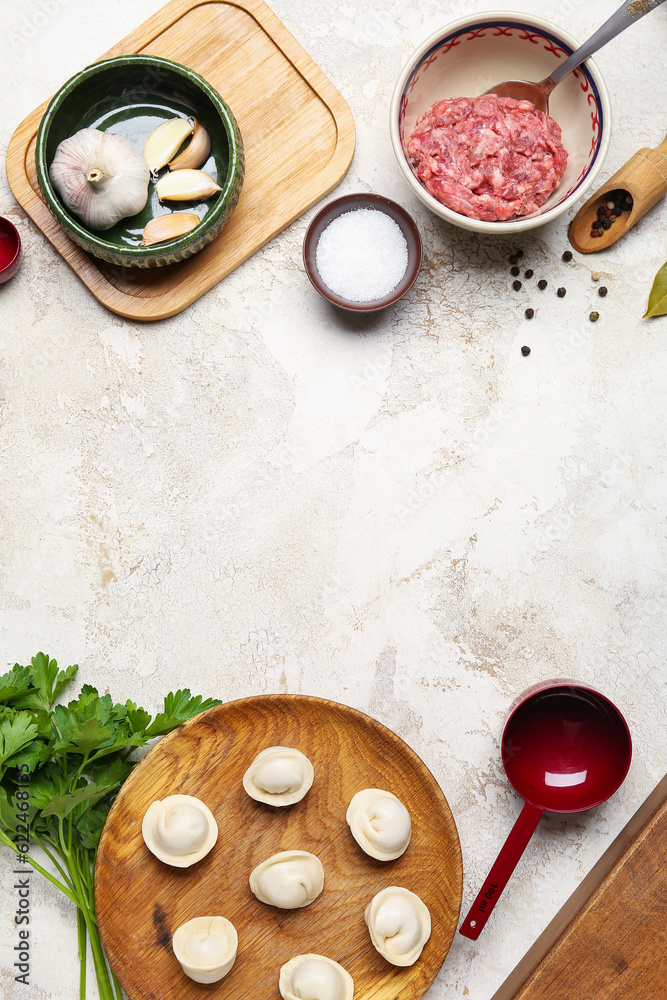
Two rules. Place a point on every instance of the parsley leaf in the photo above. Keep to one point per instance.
(14, 684)
(179, 706)
(15, 734)
(47, 682)
(61, 766)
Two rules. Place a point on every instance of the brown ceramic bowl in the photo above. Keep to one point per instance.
(10, 250)
(348, 203)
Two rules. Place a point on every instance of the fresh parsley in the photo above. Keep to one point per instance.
(60, 770)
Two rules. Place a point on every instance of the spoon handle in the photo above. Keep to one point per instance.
(627, 14)
(499, 875)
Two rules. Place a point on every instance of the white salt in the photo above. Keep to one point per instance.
(362, 255)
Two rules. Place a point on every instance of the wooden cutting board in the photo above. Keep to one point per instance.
(140, 901)
(298, 135)
(609, 941)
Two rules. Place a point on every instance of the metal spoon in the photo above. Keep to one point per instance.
(522, 90)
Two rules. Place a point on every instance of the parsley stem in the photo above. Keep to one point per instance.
(116, 986)
(4, 839)
(41, 841)
(81, 927)
(82, 888)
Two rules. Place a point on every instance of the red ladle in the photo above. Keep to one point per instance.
(565, 748)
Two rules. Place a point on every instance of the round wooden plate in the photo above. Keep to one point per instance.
(140, 901)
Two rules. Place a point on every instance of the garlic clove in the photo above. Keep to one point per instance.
(186, 185)
(206, 948)
(196, 152)
(169, 227)
(165, 141)
(99, 177)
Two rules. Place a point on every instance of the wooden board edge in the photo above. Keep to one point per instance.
(109, 295)
(553, 932)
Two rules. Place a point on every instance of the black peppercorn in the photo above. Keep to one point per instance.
(525, 351)
(602, 290)
(515, 271)
(606, 224)
(516, 285)
(594, 316)
(542, 283)
(529, 273)
(519, 253)
(530, 313)
(561, 292)
(513, 259)
(567, 255)
(601, 210)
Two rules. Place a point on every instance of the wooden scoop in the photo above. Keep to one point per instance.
(644, 176)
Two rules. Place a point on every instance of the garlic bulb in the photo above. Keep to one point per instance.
(399, 924)
(314, 977)
(169, 227)
(99, 177)
(165, 141)
(206, 948)
(380, 823)
(279, 776)
(289, 879)
(179, 830)
(186, 185)
(196, 152)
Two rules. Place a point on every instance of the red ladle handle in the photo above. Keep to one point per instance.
(503, 867)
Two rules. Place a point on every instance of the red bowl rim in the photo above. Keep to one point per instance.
(10, 228)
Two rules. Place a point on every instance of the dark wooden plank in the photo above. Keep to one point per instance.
(609, 941)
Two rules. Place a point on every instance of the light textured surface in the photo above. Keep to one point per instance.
(400, 512)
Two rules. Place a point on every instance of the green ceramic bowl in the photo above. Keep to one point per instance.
(131, 95)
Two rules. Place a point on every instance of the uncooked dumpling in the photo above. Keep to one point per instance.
(379, 823)
(179, 830)
(279, 776)
(289, 879)
(314, 977)
(206, 948)
(399, 924)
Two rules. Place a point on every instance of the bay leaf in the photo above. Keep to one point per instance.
(657, 300)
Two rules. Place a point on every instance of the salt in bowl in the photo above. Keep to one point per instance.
(468, 56)
(350, 203)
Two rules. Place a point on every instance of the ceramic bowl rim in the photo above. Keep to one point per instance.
(13, 231)
(68, 221)
(478, 225)
(361, 199)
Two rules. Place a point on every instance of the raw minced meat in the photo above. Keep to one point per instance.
(490, 158)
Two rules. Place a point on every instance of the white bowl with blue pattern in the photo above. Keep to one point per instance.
(468, 56)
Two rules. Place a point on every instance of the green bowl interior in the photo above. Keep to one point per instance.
(132, 98)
